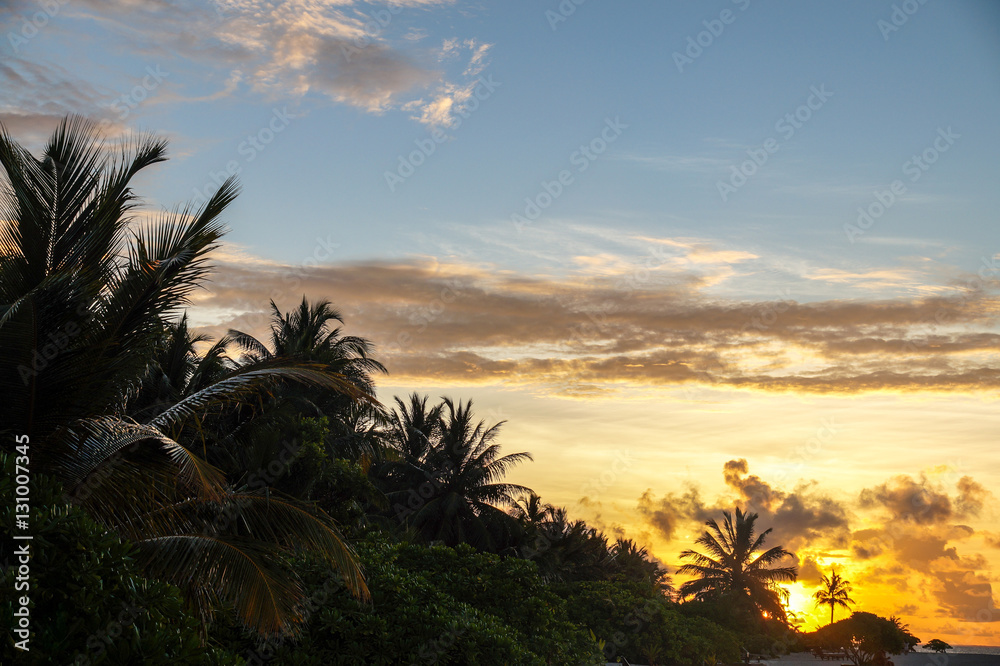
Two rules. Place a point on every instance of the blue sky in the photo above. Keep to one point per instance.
(556, 88)
(641, 313)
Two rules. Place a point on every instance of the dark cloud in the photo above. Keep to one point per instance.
(966, 595)
(809, 572)
(920, 534)
(798, 517)
(795, 518)
(917, 540)
(868, 543)
(909, 500)
(667, 514)
(972, 496)
(925, 502)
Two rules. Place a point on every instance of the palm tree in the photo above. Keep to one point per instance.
(732, 568)
(635, 563)
(566, 550)
(447, 480)
(306, 333)
(835, 591)
(177, 370)
(85, 298)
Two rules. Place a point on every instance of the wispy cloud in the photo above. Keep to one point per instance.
(348, 51)
(611, 326)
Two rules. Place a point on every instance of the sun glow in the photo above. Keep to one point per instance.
(802, 608)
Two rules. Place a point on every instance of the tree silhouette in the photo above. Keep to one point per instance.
(446, 479)
(835, 591)
(732, 569)
(86, 295)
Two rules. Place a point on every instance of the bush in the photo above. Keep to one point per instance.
(432, 605)
(637, 622)
(937, 645)
(88, 604)
(866, 637)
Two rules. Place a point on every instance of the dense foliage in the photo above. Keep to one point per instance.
(635, 621)
(867, 638)
(434, 605)
(90, 603)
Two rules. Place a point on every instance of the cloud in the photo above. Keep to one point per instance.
(599, 331)
(348, 51)
(919, 533)
(926, 502)
(966, 595)
(909, 541)
(449, 99)
(796, 518)
(36, 96)
(909, 500)
(667, 514)
(809, 572)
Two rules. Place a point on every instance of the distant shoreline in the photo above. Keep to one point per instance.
(923, 658)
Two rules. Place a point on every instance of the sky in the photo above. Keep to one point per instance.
(696, 255)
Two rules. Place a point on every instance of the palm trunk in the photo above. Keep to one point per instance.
(831, 613)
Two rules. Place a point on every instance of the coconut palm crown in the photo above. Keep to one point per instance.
(735, 568)
(835, 591)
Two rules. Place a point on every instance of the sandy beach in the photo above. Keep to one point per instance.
(921, 659)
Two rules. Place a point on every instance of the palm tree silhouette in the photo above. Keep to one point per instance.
(306, 333)
(732, 568)
(85, 297)
(310, 334)
(448, 475)
(835, 591)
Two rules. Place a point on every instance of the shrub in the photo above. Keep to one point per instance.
(637, 622)
(88, 603)
(432, 605)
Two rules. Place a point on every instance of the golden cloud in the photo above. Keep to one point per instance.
(584, 335)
